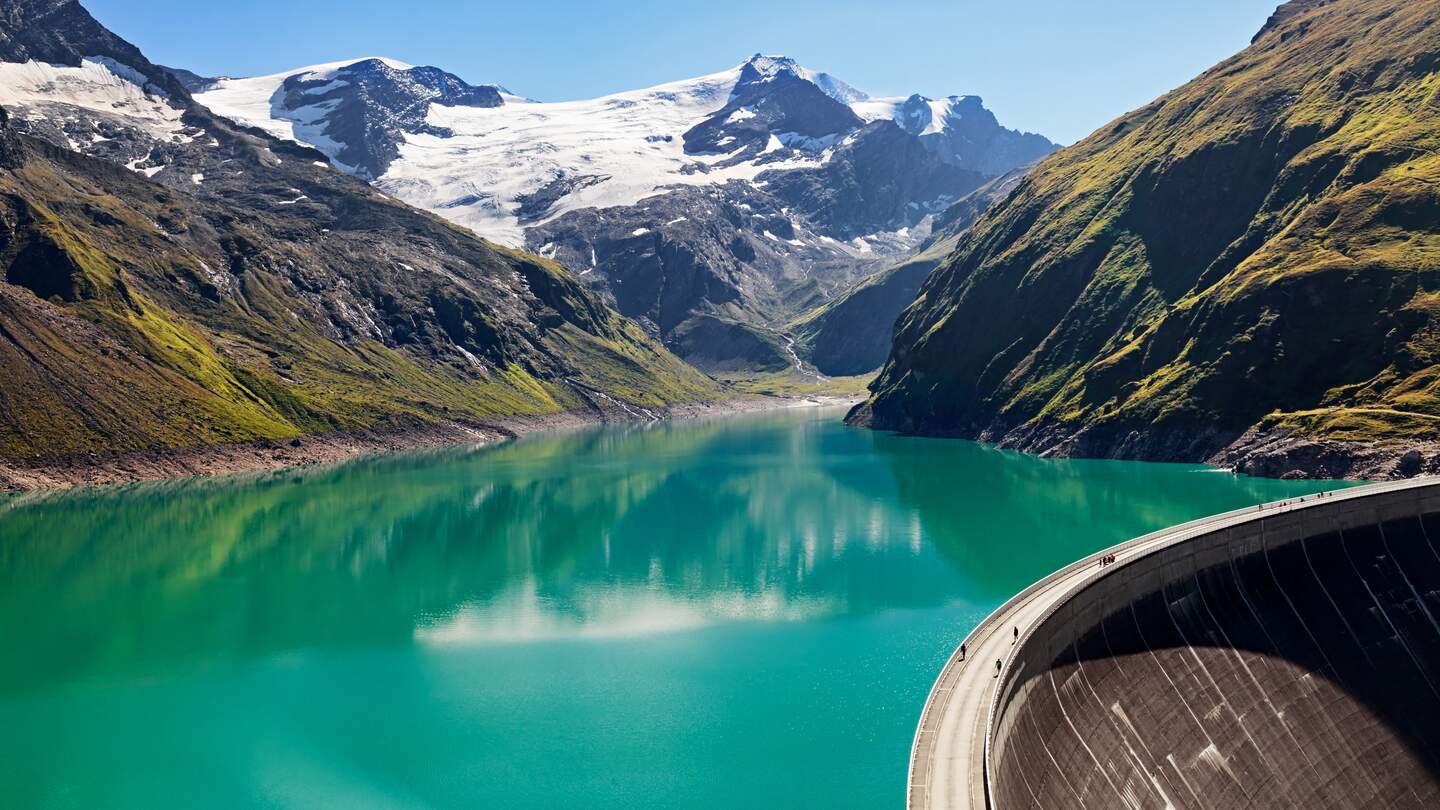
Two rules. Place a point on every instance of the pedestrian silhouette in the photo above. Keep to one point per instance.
(997, 667)
(962, 652)
(1017, 635)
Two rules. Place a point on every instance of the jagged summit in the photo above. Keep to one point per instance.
(358, 111)
(501, 164)
(691, 206)
(773, 105)
(769, 66)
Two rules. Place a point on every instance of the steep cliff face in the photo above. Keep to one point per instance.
(1255, 251)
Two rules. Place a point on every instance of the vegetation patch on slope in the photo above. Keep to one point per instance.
(1255, 250)
(134, 317)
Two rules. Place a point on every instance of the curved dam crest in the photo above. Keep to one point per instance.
(1287, 656)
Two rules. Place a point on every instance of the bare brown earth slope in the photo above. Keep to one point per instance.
(1244, 270)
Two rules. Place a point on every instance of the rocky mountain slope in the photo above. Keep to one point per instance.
(188, 282)
(1250, 262)
(735, 200)
(852, 333)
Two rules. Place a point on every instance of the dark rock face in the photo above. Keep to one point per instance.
(62, 32)
(955, 220)
(369, 106)
(12, 149)
(719, 345)
(852, 334)
(771, 98)
(731, 252)
(537, 205)
(881, 179)
(192, 81)
(760, 254)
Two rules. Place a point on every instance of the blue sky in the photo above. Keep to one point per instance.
(1058, 67)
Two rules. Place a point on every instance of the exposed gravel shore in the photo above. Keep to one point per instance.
(324, 448)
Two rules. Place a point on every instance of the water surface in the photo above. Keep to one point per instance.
(745, 611)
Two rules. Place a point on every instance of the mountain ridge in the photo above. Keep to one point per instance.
(1239, 271)
(257, 101)
(739, 199)
(194, 283)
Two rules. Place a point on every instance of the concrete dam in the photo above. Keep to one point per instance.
(1283, 656)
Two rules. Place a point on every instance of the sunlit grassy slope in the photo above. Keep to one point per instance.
(1259, 247)
(136, 317)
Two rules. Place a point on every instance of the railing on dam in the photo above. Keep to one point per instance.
(1267, 658)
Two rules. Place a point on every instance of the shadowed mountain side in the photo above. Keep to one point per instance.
(1256, 250)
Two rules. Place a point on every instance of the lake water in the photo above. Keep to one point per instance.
(734, 612)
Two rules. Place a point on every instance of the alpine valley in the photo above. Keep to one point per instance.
(194, 263)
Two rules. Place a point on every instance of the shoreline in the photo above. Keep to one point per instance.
(1261, 453)
(329, 448)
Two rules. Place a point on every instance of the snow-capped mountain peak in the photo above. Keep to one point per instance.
(768, 67)
(358, 111)
(763, 67)
(500, 164)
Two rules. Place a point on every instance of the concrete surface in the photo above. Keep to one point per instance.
(1286, 656)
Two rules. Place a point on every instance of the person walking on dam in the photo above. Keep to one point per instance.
(962, 652)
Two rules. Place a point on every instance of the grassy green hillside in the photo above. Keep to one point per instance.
(136, 317)
(1257, 249)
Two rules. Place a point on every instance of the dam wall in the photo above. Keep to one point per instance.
(1290, 660)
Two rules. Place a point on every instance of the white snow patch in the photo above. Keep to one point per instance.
(806, 143)
(134, 165)
(880, 109)
(98, 85)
